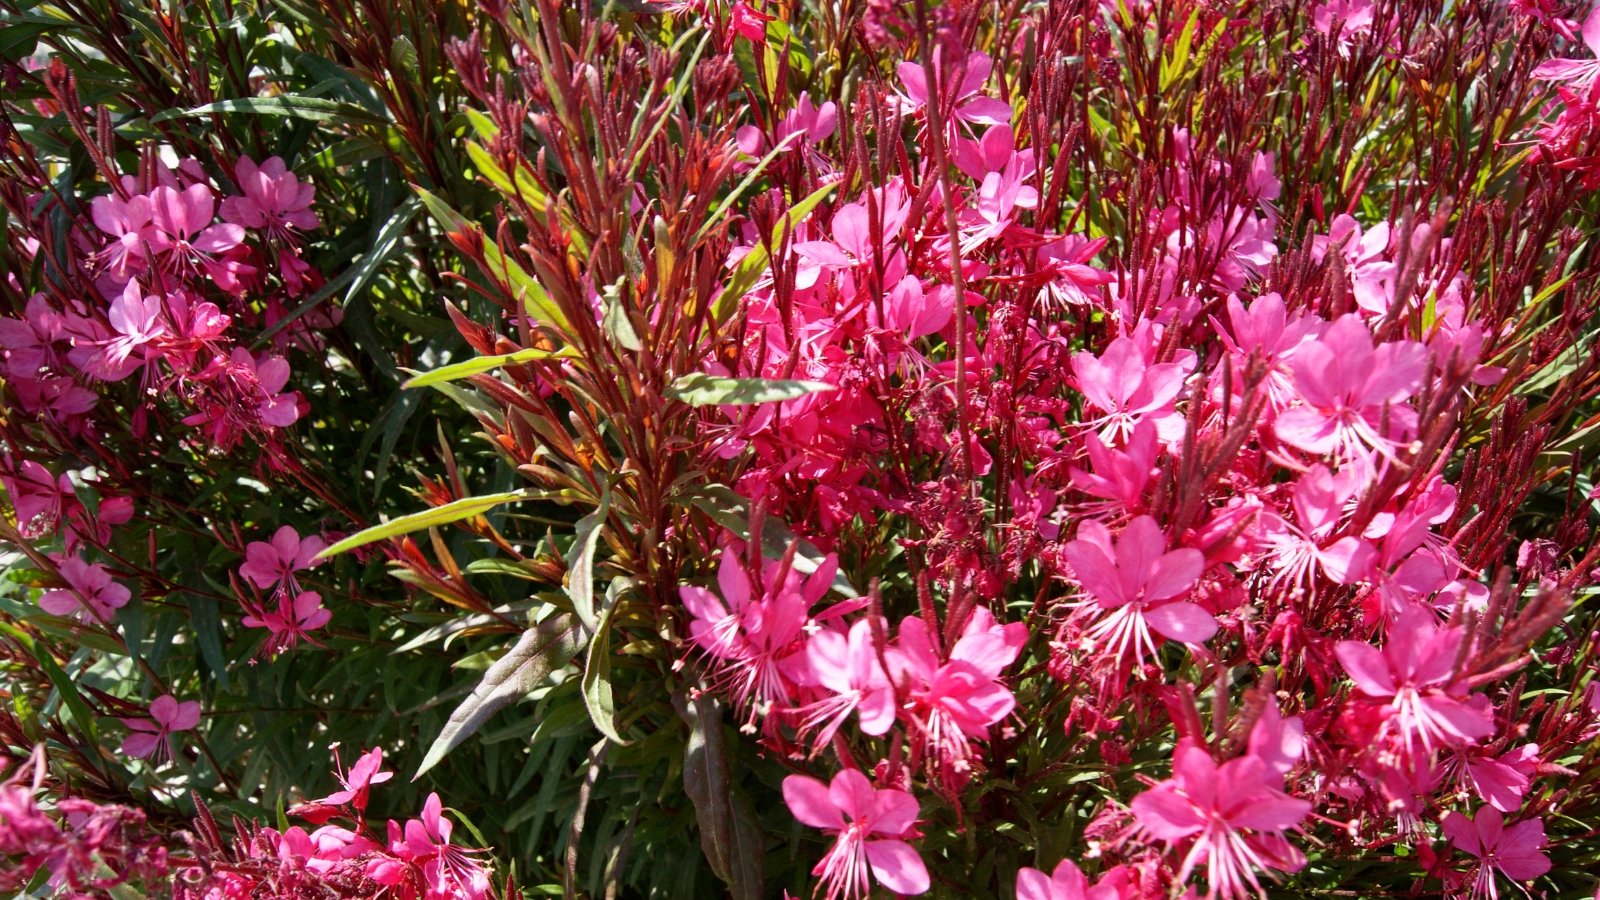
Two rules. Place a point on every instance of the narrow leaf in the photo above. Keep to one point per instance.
(580, 562)
(315, 109)
(546, 648)
(454, 511)
(700, 389)
(480, 364)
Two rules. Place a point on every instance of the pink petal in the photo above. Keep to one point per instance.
(808, 799)
(140, 745)
(897, 867)
(1188, 623)
(1367, 668)
(1165, 814)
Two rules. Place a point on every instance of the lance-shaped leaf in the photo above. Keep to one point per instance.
(454, 511)
(701, 389)
(549, 646)
(597, 694)
(315, 109)
(499, 266)
(580, 561)
(480, 364)
(728, 834)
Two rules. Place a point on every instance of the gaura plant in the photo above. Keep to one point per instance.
(1042, 450)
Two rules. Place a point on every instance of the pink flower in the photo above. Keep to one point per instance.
(871, 826)
(357, 783)
(1068, 882)
(138, 323)
(1353, 393)
(183, 229)
(1580, 73)
(292, 617)
(128, 222)
(960, 699)
(92, 596)
(272, 564)
(447, 871)
(154, 735)
(1234, 814)
(1515, 852)
(968, 104)
(848, 668)
(1415, 672)
(275, 202)
(1135, 583)
(1129, 388)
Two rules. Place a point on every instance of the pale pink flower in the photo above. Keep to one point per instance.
(1136, 584)
(128, 221)
(1068, 882)
(1231, 816)
(871, 825)
(1515, 852)
(154, 735)
(183, 225)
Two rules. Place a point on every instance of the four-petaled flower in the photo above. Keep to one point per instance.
(154, 735)
(871, 825)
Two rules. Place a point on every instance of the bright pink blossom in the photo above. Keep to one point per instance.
(272, 564)
(91, 596)
(1515, 852)
(1232, 817)
(274, 201)
(1136, 583)
(154, 735)
(871, 825)
(1415, 673)
(1068, 882)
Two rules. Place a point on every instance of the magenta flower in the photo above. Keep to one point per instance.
(1068, 882)
(1353, 393)
(292, 618)
(1415, 673)
(129, 223)
(968, 105)
(1136, 583)
(448, 872)
(871, 826)
(1128, 389)
(92, 596)
(1232, 816)
(137, 320)
(154, 735)
(753, 635)
(275, 202)
(848, 668)
(1579, 73)
(272, 564)
(1515, 852)
(960, 699)
(183, 228)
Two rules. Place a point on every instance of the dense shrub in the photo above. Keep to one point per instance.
(1048, 449)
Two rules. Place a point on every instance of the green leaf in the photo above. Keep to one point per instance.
(315, 109)
(454, 511)
(480, 364)
(700, 389)
(614, 318)
(580, 562)
(748, 270)
(383, 246)
(597, 695)
(499, 266)
(539, 652)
